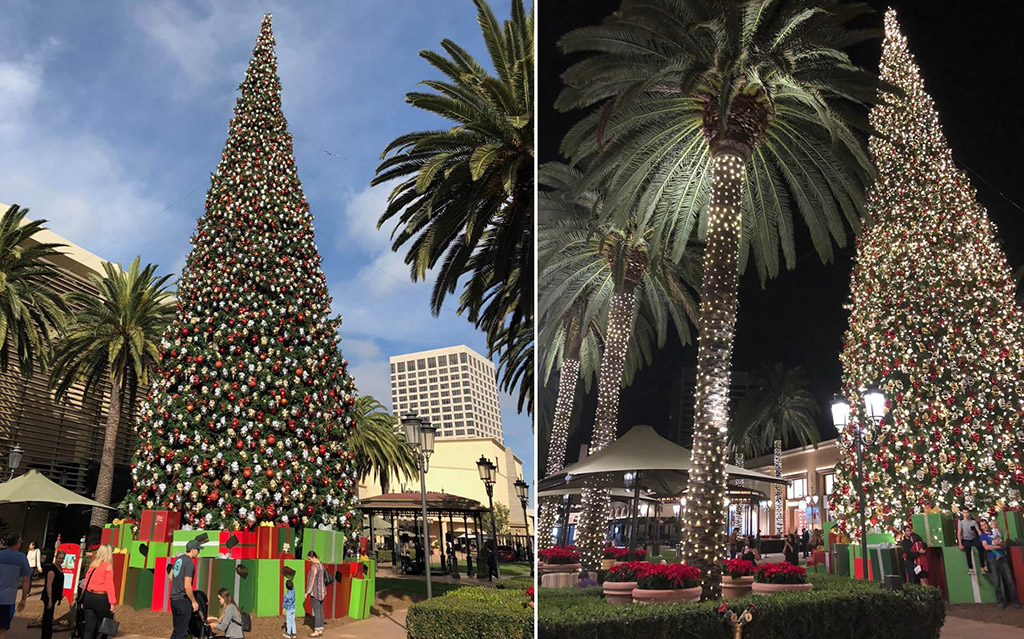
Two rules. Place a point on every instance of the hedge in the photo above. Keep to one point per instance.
(838, 608)
(472, 613)
(521, 582)
(385, 556)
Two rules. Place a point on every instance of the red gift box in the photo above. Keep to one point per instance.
(162, 582)
(1017, 562)
(266, 542)
(158, 525)
(120, 574)
(244, 549)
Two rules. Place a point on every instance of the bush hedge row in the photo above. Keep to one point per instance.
(473, 611)
(838, 607)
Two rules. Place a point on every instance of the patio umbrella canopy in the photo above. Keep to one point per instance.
(33, 486)
(664, 466)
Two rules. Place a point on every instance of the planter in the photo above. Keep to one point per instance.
(607, 563)
(767, 589)
(546, 568)
(736, 587)
(619, 593)
(678, 595)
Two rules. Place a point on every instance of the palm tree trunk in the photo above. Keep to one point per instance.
(780, 517)
(568, 377)
(704, 516)
(105, 480)
(739, 516)
(594, 510)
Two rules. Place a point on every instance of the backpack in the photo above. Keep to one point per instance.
(246, 620)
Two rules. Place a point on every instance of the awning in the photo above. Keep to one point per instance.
(33, 486)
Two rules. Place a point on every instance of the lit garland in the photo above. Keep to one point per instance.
(590, 536)
(933, 323)
(704, 515)
(741, 509)
(777, 490)
(568, 377)
(249, 416)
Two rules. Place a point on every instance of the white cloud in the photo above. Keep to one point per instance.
(369, 366)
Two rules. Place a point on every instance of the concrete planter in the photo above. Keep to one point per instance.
(768, 589)
(607, 563)
(619, 593)
(736, 587)
(678, 595)
(546, 568)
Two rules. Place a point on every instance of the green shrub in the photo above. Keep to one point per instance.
(838, 607)
(385, 556)
(521, 582)
(481, 613)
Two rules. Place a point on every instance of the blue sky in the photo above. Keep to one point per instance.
(113, 115)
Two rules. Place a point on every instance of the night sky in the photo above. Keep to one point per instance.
(969, 56)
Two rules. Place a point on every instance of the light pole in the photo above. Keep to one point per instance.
(863, 434)
(632, 480)
(419, 435)
(488, 473)
(14, 460)
(523, 492)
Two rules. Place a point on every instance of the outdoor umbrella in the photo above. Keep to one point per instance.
(33, 486)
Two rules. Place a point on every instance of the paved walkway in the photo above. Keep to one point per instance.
(957, 628)
(391, 626)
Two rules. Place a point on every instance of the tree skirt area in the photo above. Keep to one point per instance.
(158, 624)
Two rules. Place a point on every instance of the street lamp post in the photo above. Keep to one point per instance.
(419, 435)
(488, 474)
(862, 435)
(632, 480)
(523, 492)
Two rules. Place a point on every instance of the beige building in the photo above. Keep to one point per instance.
(811, 474)
(453, 471)
(62, 440)
(454, 387)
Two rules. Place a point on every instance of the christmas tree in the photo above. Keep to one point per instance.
(933, 324)
(249, 416)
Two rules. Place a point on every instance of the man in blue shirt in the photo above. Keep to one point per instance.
(999, 566)
(13, 568)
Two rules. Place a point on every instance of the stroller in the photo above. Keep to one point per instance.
(198, 627)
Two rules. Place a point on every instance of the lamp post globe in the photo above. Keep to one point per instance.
(14, 459)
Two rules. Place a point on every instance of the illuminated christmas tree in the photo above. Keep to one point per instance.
(249, 416)
(933, 324)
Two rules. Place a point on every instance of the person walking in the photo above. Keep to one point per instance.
(316, 590)
(805, 543)
(35, 560)
(492, 563)
(182, 598)
(53, 592)
(999, 565)
(14, 571)
(908, 559)
(288, 605)
(230, 621)
(98, 594)
(789, 550)
(967, 538)
(734, 543)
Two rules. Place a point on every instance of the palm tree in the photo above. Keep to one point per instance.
(31, 312)
(378, 444)
(465, 199)
(723, 116)
(778, 408)
(593, 270)
(116, 334)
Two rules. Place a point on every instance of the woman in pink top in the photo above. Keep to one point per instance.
(99, 597)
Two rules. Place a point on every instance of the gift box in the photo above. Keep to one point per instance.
(212, 574)
(844, 560)
(158, 525)
(364, 591)
(937, 529)
(120, 570)
(139, 588)
(285, 539)
(322, 542)
(826, 530)
(143, 554)
(117, 535)
(180, 539)
(883, 560)
(1016, 557)
(1011, 524)
(294, 570)
(267, 591)
(960, 586)
(237, 545)
(267, 544)
(162, 573)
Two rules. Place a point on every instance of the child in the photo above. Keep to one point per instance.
(289, 609)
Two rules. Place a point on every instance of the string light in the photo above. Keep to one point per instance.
(567, 380)
(933, 321)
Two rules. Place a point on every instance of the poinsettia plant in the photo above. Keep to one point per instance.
(559, 555)
(784, 573)
(625, 572)
(622, 554)
(739, 567)
(667, 577)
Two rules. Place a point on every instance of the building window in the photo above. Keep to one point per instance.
(432, 362)
(452, 359)
(472, 431)
(830, 482)
(797, 488)
(401, 367)
(460, 432)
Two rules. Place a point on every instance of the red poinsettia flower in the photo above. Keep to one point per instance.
(738, 567)
(559, 555)
(667, 576)
(784, 573)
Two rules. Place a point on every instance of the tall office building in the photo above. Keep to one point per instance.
(454, 387)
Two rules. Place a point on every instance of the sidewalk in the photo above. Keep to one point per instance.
(391, 626)
(958, 628)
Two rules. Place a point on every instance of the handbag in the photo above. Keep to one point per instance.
(109, 627)
(917, 569)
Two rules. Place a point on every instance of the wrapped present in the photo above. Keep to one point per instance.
(294, 570)
(357, 598)
(960, 586)
(1011, 524)
(210, 548)
(117, 535)
(1016, 557)
(158, 525)
(364, 591)
(267, 544)
(322, 542)
(345, 573)
(162, 573)
(883, 560)
(267, 592)
(139, 588)
(237, 544)
(937, 529)
(120, 570)
(244, 587)
(212, 574)
(285, 540)
(826, 530)
(844, 560)
(143, 554)
(819, 557)
(816, 568)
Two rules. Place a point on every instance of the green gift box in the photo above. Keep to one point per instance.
(1011, 524)
(244, 591)
(937, 529)
(816, 568)
(267, 591)
(322, 542)
(117, 535)
(212, 575)
(826, 528)
(138, 590)
(357, 599)
(889, 557)
(875, 539)
(182, 537)
(298, 566)
(143, 554)
(844, 560)
(366, 588)
(962, 587)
